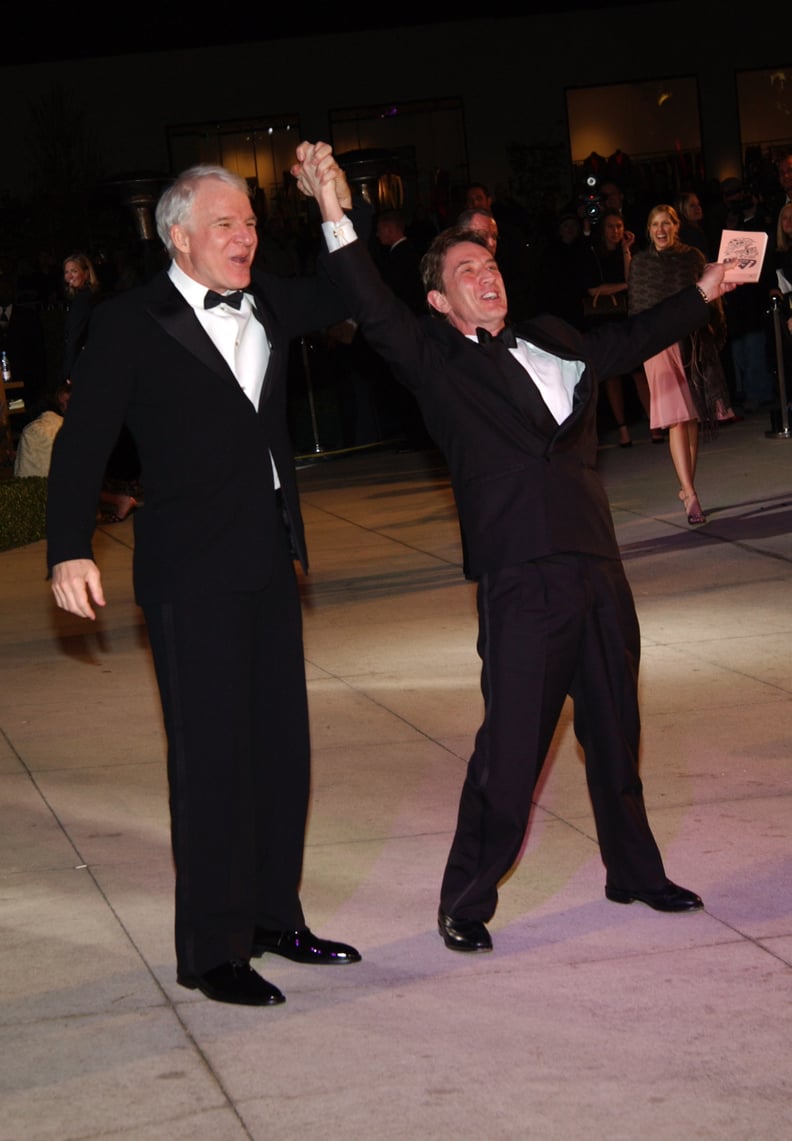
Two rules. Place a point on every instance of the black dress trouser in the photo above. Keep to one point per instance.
(561, 625)
(231, 675)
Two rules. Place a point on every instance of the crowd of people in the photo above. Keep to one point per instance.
(594, 262)
(45, 309)
(604, 260)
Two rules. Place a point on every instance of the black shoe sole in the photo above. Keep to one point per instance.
(274, 999)
(618, 895)
(316, 961)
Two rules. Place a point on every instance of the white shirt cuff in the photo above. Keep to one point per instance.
(338, 234)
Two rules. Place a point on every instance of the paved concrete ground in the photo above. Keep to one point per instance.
(590, 1020)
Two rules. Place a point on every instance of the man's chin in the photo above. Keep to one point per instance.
(238, 277)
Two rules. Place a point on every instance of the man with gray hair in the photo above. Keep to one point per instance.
(195, 364)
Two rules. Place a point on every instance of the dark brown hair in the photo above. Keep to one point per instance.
(433, 261)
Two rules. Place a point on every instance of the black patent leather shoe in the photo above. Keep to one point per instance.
(668, 898)
(234, 981)
(463, 934)
(302, 947)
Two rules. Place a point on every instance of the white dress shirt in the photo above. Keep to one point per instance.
(238, 336)
(554, 377)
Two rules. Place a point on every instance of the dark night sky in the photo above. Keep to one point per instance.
(88, 29)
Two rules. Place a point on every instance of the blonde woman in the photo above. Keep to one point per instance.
(686, 382)
(82, 290)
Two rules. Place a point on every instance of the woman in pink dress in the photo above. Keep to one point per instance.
(686, 382)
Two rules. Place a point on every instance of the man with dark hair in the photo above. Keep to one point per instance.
(514, 410)
(399, 262)
(195, 364)
(482, 222)
(746, 309)
(478, 196)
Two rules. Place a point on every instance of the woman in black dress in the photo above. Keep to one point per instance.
(82, 290)
(608, 268)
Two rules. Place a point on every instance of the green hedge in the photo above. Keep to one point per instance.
(23, 505)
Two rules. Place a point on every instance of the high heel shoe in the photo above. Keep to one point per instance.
(624, 436)
(695, 516)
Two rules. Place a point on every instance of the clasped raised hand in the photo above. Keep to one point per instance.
(316, 170)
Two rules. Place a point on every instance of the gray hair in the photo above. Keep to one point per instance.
(175, 205)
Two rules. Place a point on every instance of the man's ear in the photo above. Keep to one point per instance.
(438, 301)
(180, 239)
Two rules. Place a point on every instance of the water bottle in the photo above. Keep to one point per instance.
(5, 368)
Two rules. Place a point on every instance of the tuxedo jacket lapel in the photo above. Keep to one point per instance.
(521, 390)
(170, 310)
(265, 320)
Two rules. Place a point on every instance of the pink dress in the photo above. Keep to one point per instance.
(670, 401)
(653, 277)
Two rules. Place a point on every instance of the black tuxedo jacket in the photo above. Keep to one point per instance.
(525, 486)
(210, 512)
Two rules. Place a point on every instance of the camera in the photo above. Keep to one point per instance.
(590, 199)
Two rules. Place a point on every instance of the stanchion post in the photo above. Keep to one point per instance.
(784, 433)
(318, 449)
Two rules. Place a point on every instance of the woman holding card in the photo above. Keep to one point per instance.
(686, 382)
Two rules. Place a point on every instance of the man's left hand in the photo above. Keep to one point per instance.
(317, 168)
(711, 281)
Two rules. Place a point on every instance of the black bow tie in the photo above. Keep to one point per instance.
(212, 299)
(506, 336)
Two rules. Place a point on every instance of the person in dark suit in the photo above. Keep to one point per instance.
(195, 364)
(516, 419)
(22, 338)
(399, 262)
